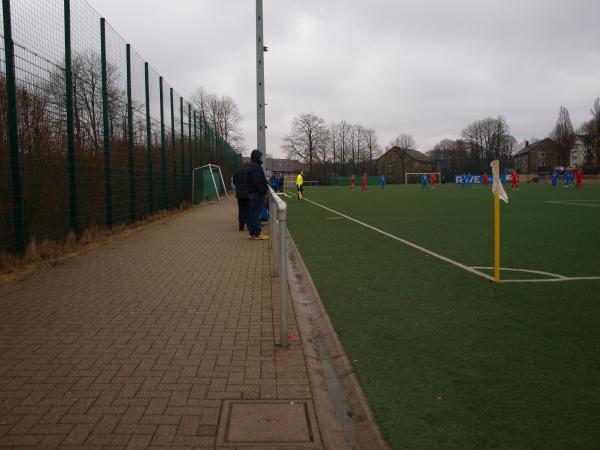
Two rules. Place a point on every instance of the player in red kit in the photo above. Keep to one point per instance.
(517, 181)
(579, 179)
(486, 179)
(352, 183)
(364, 188)
(513, 179)
(433, 180)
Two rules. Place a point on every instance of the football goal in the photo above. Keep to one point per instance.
(311, 183)
(207, 183)
(415, 177)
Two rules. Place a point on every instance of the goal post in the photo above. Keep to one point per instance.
(415, 177)
(207, 183)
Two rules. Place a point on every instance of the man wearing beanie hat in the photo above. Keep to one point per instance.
(257, 189)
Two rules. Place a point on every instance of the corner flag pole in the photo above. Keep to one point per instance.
(496, 238)
(499, 194)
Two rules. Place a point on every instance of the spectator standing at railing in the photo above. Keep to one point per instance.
(242, 196)
(257, 190)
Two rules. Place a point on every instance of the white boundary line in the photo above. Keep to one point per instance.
(538, 272)
(473, 270)
(573, 203)
(405, 242)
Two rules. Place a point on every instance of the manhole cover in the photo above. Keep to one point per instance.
(267, 422)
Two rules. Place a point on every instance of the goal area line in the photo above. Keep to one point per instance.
(473, 270)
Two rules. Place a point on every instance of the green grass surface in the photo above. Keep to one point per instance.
(446, 358)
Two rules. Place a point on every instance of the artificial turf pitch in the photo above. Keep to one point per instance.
(448, 359)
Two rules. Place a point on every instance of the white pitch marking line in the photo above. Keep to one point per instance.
(539, 272)
(552, 280)
(334, 218)
(405, 242)
(572, 203)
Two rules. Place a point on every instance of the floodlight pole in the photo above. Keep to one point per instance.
(261, 139)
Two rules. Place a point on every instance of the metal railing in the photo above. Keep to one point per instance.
(278, 225)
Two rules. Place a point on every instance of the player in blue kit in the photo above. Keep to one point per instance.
(382, 181)
(554, 178)
(423, 182)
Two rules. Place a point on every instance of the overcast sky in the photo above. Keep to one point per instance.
(423, 67)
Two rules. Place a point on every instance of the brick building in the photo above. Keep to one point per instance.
(398, 161)
(537, 158)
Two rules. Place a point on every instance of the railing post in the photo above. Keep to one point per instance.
(130, 143)
(13, 129)
(273, 226)
(283, 276)
(70, 120)
(149, 140)
(163, 145)
(106, 126)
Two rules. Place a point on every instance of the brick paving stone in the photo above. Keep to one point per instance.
(138, 343)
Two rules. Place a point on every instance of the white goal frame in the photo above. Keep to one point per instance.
(439, 176)
(311, 183)
(212, 175)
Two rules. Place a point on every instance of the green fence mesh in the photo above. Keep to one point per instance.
(133, 149)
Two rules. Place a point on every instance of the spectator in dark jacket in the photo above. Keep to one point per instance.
(242, 195)
(257, 190)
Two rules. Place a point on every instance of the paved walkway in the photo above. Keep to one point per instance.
(150, 342)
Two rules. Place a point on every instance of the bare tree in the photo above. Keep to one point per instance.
(403, 141)
(589, 132)
(489, 139)
(305, 139)
(373, 150)
(564, 136)
(223, 115)
(451, 157)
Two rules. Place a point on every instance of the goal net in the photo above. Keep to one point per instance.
(415, 177)
(207, 183)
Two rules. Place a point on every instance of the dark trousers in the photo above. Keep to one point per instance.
(243, 211)
(257, 202)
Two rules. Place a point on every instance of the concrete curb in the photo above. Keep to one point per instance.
(344, 417)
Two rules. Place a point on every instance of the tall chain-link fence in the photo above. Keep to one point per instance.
(90, 134)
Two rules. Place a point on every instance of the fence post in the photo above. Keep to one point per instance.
(149, 140)
(13, 129)
(70, 128)
(195, 142)
(163, 146)
(130, 143)
(106, 126)
(183, 184)
(173, 150)
(190, 157)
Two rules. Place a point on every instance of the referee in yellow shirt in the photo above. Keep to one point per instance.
(299, 185)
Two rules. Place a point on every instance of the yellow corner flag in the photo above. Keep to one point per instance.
(499, 193)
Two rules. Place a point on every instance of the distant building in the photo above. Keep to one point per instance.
(540, 157)
(398, 161)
